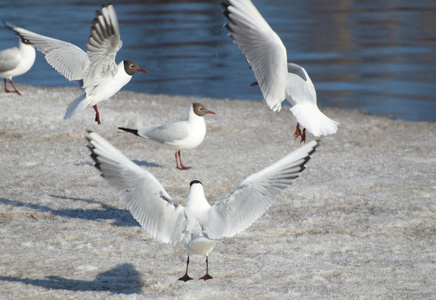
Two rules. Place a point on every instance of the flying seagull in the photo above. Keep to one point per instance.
(95, 70)
(278, 79)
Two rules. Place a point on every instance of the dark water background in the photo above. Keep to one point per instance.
(378, 56)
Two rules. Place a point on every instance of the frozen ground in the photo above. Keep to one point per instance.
(359, 223)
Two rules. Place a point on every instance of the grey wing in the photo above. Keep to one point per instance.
(9, 59)
(103, 45)
(255, 194)
(66, 58)
(141, 192)
(164, 134)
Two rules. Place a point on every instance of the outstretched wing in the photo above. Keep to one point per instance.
(142, 193)
(103, 45)
(66, 58)
(262, 47)
(255, 194)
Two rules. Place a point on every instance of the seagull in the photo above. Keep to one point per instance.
(182, 135)
(16, 61)
(95, 71)
(198, 223)
(278, 79)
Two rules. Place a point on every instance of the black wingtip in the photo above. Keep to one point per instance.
(309, 155)
(93, 155)
(225, 4)
(227, 26)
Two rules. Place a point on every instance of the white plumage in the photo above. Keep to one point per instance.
(182, 135)
(198, 223)
(277, 79)
(16, 61)
(95, 70)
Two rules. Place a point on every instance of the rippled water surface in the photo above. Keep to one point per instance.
(377, 55)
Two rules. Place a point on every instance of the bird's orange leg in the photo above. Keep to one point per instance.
(13, 85)
(182, 167)
(299, 133)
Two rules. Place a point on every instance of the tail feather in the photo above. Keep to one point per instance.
(78, 105)
(134, 131)
(310, 117)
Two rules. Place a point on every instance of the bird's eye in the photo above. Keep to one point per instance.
(131, 66)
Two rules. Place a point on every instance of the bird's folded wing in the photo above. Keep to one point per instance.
(103, 45)
(142, 193)
(262, 47)
(165, 134)
(66, 58)
(255, 194)
(9, 59)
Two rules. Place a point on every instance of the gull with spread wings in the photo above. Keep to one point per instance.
(95, 71)
(278, 80)
(199, 224)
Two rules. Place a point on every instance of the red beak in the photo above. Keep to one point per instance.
(142, 70)
(210, 112)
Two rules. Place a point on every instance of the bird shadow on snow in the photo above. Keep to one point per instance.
(123, 279)
(146, 164)
(121, 217)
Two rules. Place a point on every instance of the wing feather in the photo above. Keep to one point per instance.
(9, 59)
(262, 47)
(57, 53)
(103, 45)
(255, 194)
(142, 193)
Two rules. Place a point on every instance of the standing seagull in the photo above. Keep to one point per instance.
(182, 135)
(198, 223)
(16, 61)
(94, 70)
(278, 79)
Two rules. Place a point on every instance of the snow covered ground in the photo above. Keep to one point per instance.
(359, 223)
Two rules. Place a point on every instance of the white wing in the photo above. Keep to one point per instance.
(9, 59)
(66, 58)
(103, 45)
(255, 194)
(143, 195)
(262, 47)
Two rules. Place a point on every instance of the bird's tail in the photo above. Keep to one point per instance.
(310, 117)
(134, 131)
(78, 105)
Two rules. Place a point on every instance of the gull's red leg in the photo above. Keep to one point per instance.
(297, 131)
(13, 85)
(207, 276)
(97, 115)
(181, 164)
(186, 277)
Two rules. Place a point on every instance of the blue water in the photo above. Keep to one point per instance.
(378, 56)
